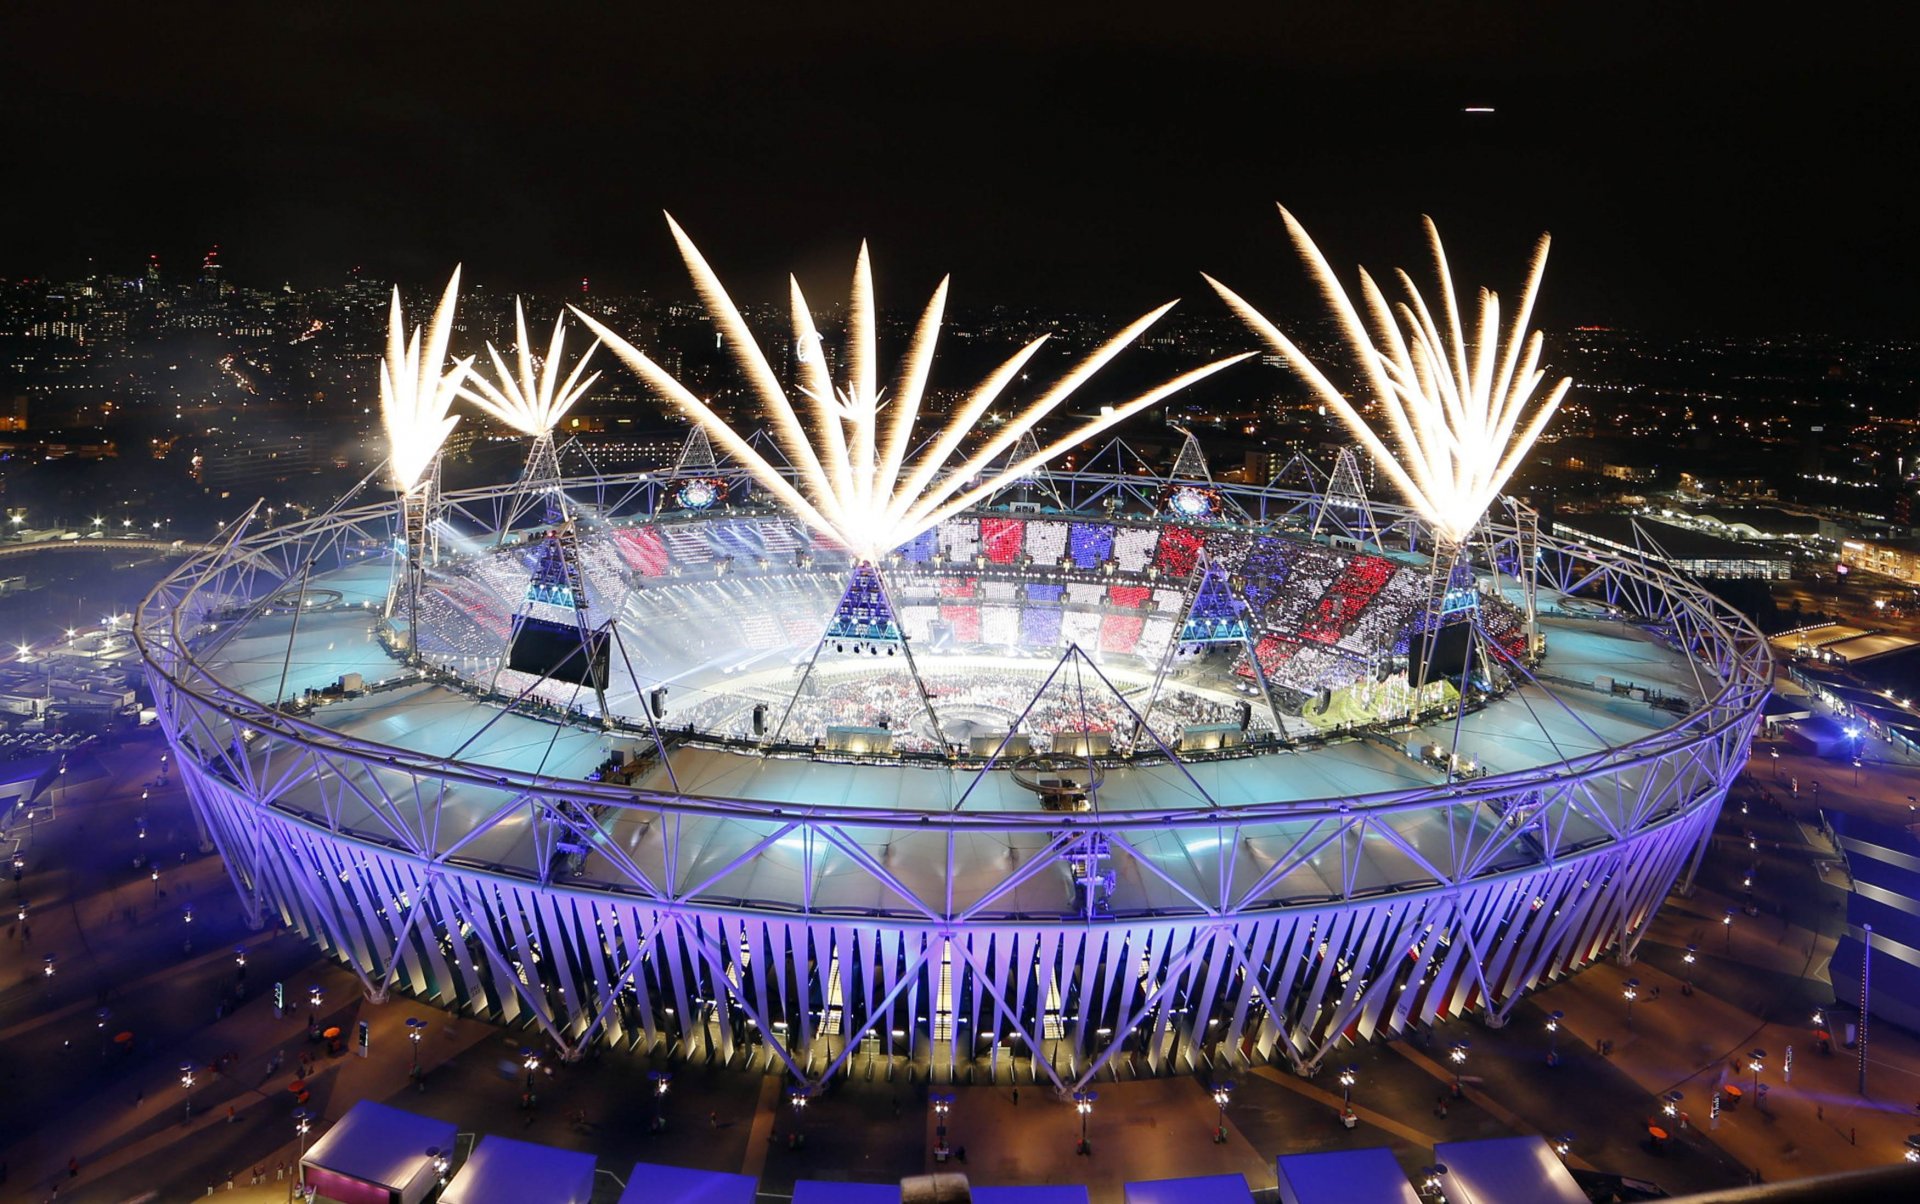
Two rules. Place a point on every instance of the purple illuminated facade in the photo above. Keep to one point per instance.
(697, 882)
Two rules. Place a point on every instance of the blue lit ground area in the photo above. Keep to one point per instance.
(723, 642)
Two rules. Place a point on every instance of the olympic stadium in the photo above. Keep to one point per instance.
(1108, 772)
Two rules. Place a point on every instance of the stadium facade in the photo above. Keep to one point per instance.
(1101, 822)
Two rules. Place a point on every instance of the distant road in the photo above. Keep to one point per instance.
(182, 548)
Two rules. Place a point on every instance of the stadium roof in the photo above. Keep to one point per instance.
(1679, 543)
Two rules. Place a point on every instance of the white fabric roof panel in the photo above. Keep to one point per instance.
(501, 1168)
(1506, 1170)
(376, 1144)
(1194, 1189)
(656, 1183)
(1365, 1176)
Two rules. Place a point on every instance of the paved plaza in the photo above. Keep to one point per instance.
(76, 1089)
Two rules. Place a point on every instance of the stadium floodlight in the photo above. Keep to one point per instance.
(417, 390)
(856, 485)
(531, 396)
(1463, 407)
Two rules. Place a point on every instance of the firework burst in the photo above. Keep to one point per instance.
(854, 479)
(1463, 408)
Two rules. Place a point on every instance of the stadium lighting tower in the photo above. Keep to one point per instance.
(531, 397)
(1458, 405)
(417, 391)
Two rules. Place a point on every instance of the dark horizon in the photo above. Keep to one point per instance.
(1700, 170)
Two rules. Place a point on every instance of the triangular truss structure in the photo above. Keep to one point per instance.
(1188, 493)
(556, 581)
(419, 547)
(864, 614)
(538, 487)
(1298, 473)
(1133, 482)
(1344, 508)
(696, 454)
(1034, 485)
(863, 622)
(1513, 553)
(1216, 617)
(1191, 464)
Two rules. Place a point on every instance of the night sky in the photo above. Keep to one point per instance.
(1727, 167)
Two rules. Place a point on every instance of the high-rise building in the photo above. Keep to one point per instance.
(210, 274)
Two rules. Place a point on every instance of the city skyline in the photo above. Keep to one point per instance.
(1696, 173)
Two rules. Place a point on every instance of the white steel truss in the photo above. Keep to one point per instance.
(1539, 871)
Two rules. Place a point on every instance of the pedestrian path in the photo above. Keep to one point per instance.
(1817, 1123)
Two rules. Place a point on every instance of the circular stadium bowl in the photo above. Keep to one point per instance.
(1092, 846)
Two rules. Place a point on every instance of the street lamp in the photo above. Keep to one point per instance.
(1083, 1104)
(1430, 1182)
(1726, 922)
(440, 1162)
(46, 968)
(1632, 992)
(1347, 1076)
(1222, 1096)
(942, 1104)
(186, 1085)
(1756, 1062)
(1776, 763)
(1459, 1055)
(1670, 1104)
(302, 1121)
(155, 876)
(1553, 1037)
(314, 996)
(416, 1029)
(531, 1061)
(1689, 955)
(797, 1097)
(660, 1079)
